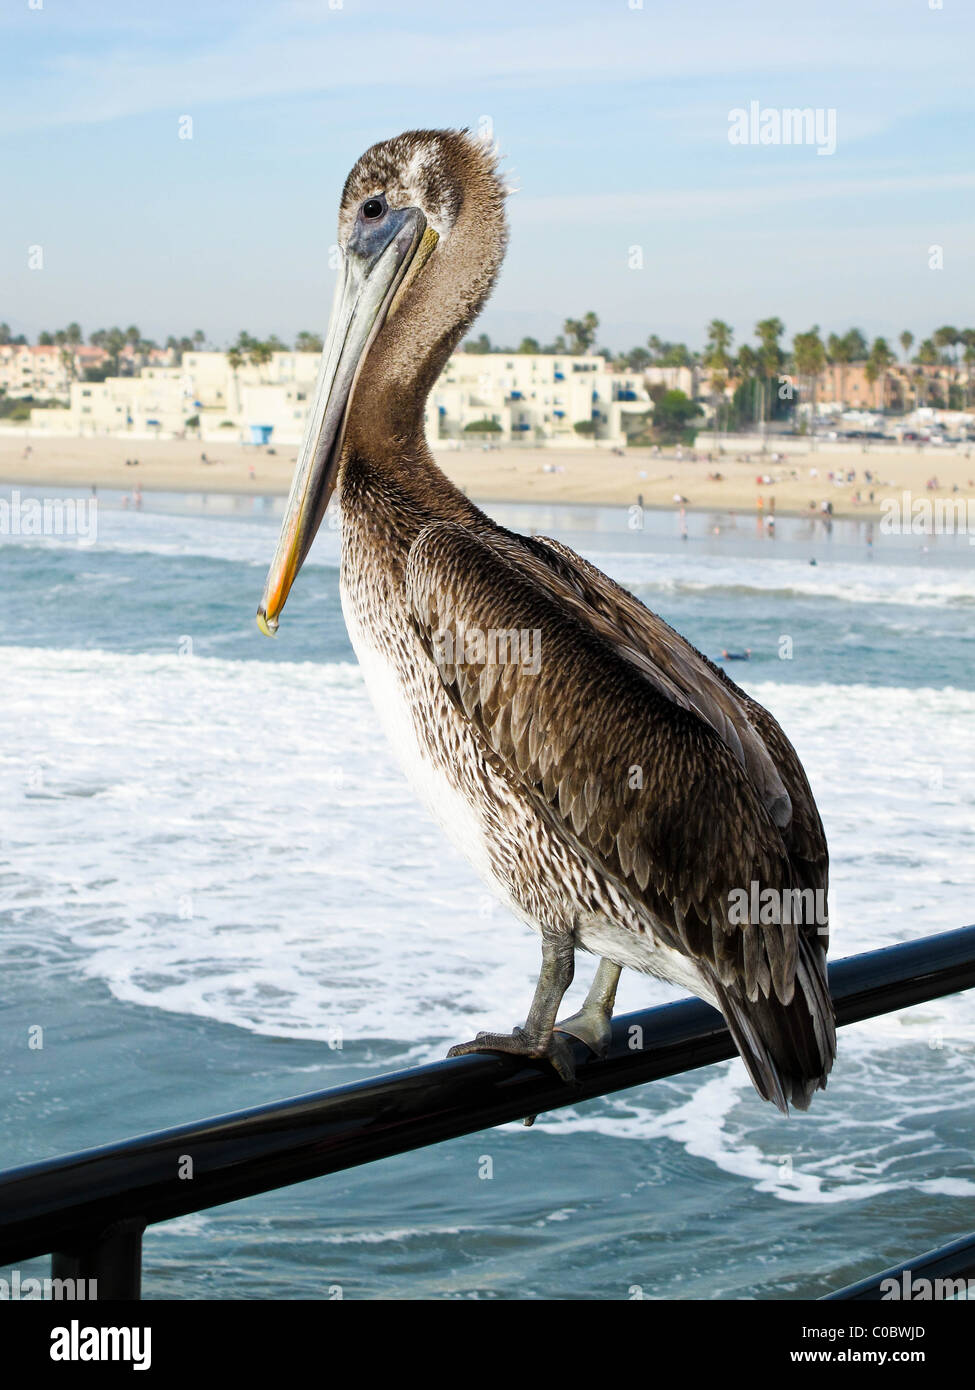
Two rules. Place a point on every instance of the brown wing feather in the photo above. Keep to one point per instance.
(803, 832)
(676, 845)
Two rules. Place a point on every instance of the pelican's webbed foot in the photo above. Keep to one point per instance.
(593, 1023)
(521, 1043)
(537, 1039)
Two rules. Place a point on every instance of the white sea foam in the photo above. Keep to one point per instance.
(232, 840)
(247, 536)
(924, 584)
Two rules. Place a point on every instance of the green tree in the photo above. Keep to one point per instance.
(717, 359)
(308, 342)
(637, 359)
(946, 337)
(871, 371)
(856, 345)
(882, 356)
(260, 356)
(673, 412)
(529, 346)
(480, 344)
(970, 364)
(770, 361)
(810, 359)
(581, 333)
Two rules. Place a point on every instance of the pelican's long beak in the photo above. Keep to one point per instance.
(380, 260)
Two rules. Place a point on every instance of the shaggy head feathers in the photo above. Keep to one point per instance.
(433, 170)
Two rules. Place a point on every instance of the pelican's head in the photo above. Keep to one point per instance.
(422, 235)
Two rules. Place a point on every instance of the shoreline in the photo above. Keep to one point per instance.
(735, 485)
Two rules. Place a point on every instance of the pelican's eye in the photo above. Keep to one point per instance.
(374, 208)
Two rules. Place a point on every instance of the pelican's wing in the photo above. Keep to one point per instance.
(650, 793)
(714, 695)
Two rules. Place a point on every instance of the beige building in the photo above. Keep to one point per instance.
(42, 372)
(531, 399)
(534, 398)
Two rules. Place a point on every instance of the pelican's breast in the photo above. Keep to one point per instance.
(534, 870)
(436, 751)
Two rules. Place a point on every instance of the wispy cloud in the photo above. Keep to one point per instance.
(632, 207)
(295, 48)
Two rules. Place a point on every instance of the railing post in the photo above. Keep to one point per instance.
(112, 1258)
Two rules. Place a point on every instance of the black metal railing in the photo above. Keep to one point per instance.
(91, 1208)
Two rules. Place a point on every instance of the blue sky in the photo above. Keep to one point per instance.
(613, 118)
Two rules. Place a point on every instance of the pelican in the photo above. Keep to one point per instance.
(613, 787)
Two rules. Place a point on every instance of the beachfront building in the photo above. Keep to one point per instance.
(535, 398)
(43, 373)
(157, 404)
(686, 379)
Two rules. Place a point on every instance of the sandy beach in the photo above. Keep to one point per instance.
(521, 474)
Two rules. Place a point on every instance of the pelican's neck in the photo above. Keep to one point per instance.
(387, 500)
(385, 419)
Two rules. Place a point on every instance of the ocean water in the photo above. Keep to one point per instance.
(217, 890)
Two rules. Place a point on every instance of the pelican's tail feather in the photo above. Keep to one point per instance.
(788, 1049)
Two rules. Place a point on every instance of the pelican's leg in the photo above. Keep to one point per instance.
(538, 1038)
(593, 1024)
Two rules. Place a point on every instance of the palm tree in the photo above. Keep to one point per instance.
(717, 358)
(881, 355)
(581, 333)
(810, 357)
(770, 358)
(308, 342)
(906, 341)
(235, 360)
(946, 337)
(970, 364)
(114, 342)
(871, 371)
(857, 344)
(260, 356)
(927, 356)
(746, 371)
(68, 363)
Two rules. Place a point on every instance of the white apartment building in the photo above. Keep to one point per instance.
(536, 398)
(42, 372)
